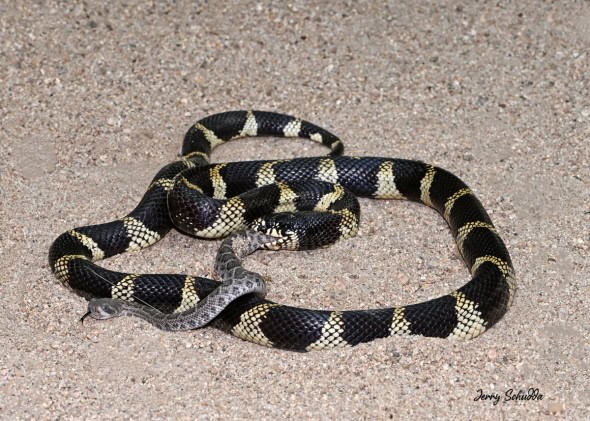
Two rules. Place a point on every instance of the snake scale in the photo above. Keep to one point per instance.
(301, 203)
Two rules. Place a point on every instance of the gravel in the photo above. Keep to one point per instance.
(94, 98)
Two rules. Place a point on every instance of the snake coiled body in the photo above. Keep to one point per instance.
(226, 205)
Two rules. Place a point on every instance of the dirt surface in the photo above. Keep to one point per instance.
(95, 99)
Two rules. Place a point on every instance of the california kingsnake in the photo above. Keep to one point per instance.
(464, 313)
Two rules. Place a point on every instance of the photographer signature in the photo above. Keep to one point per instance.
(532, 394)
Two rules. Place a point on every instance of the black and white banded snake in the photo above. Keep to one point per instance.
(233, 197)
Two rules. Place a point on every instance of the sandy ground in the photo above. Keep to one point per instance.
(94, 99)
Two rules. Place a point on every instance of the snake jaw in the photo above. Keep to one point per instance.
(281, 238)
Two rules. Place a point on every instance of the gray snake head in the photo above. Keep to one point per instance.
(104, 308)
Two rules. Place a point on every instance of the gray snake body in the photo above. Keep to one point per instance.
(237, 282)
(225, 203)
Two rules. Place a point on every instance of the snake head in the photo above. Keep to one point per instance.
(278, 229)
(104, 308)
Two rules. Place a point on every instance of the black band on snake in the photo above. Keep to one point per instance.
(299, 203)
